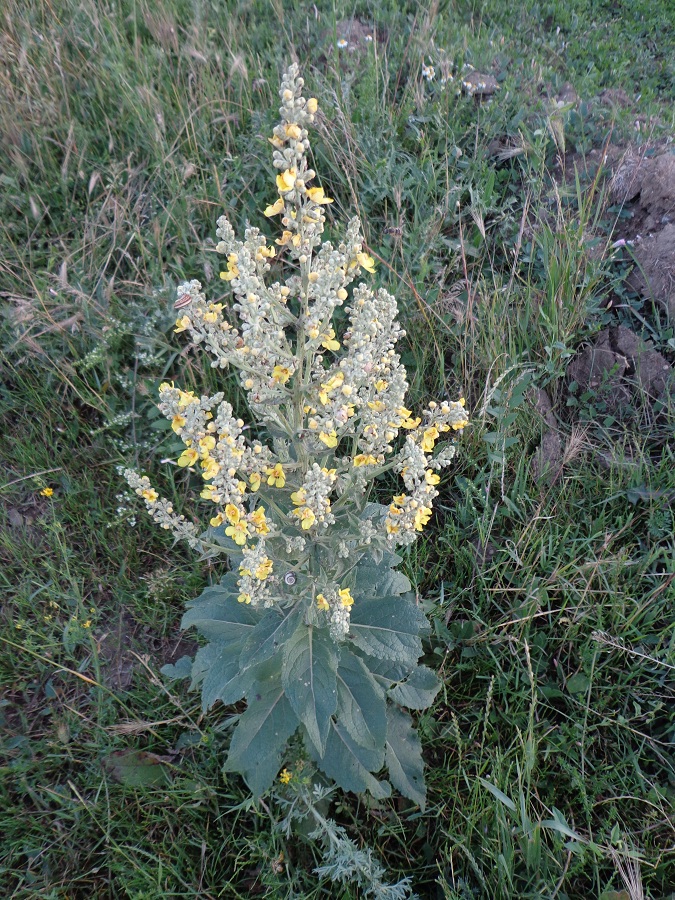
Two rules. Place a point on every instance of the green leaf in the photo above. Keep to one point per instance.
(309, 675)
(500, 795)
(378, 579)
(385, 672)
(418, 690)
(388, 628)
(361, 705)
(269, 636)
(217, 666)
(137, 768)
(349, 764)
(261, 735)
(404, 757)
(219, 616)
(182, 668)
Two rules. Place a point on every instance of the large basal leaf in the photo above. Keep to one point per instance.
(404, 757)
(387, 673)
(418, 690)
(378, 579)
(269, 636)
(261, 734)
(309, 674)
(218, 615)
(217, 667)
(388, 628)
(361, 705)
(349, 764)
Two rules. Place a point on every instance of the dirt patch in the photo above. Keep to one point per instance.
(618, 364)
(654, 277)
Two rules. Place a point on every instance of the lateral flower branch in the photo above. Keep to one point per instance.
(310, 555)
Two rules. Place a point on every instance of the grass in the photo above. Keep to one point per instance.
(126, 128)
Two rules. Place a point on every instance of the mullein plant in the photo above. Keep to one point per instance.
(312, 624)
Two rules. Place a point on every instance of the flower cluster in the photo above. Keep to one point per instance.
(289, 493)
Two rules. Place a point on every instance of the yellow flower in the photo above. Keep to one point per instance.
(186, 398)
(281, 374)
(322, 603)
(346, 597)
(210, 467)
(316, 195)
(329, 341)
(330, 439)
(254, 479)
(367, 262)
(264, 253)
(244, 598)
(188, 457)
(274, 208)
(259, 521)
(209, 493)
(422, 516)
(177, 423)
(365, 459)
(46, 492)
(182, 324)
(457, 426)
(207, 443)
(306, 516)
(462, 401)
(285, 776)
(286, 236)
(286, 181)
(431, 478)
(299, 497)
(381, 385)
(232, 270)
(293, 131)
(87, 624)
(276, 476)
(264, 569)
(232, 513)
(150, 495)
(216, 520)
(391, 528)
(429, 439)
(238, 533)
(312, 105)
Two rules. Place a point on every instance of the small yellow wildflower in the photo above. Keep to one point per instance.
(47, 492)
(259, 521)
(150, 495)
(365, 459)
(366, 262)
(316, 195)
(306, 516)
(281, 374)
(254, 480)
(177, 423)
(244, 598)
(329, 341)
(346, 597)
(299, 497)
(232, 513)
(188, 457)
(217, 520)
(322, 603)
(182, 324)
(312, 105)
(87, 624)
(429, 439)
(207, 443)
(264, 569)
(422, 516)
(211, 468)
(276, 476)
(232, 269)
(285, 776)
(431, 477)
(286, 181)
(238, 533)
(330, 439)
(274, 208)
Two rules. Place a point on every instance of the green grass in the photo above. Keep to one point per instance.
(126, 128)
